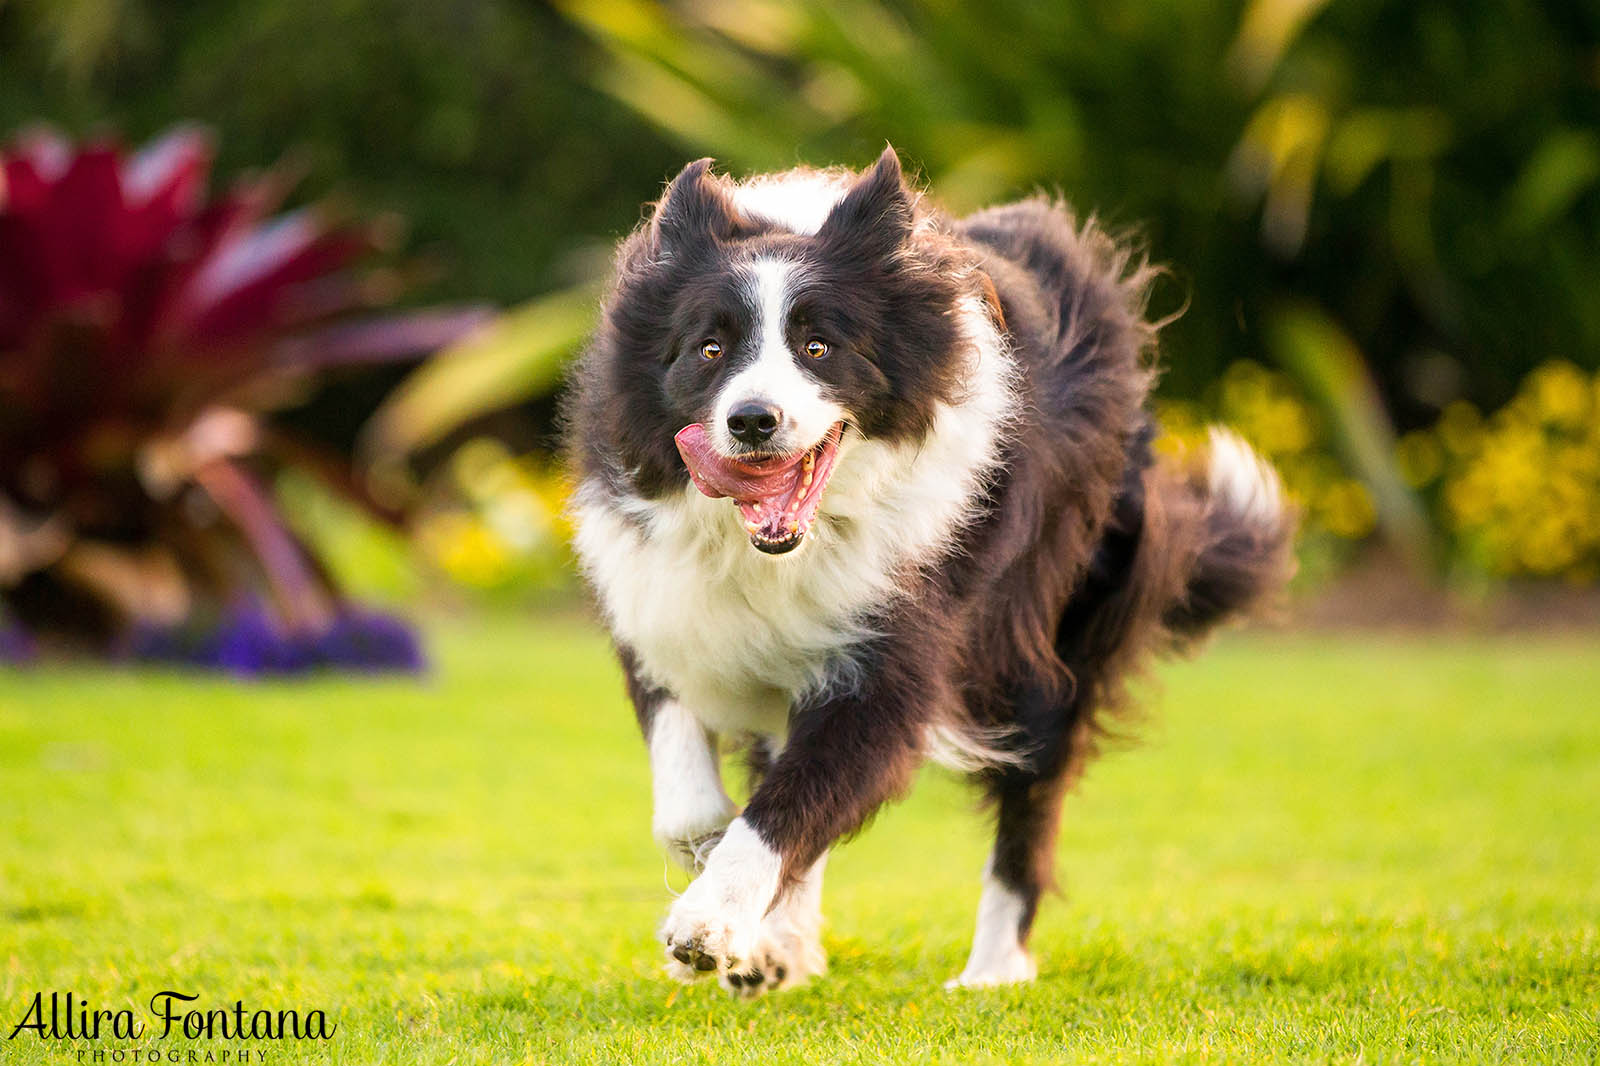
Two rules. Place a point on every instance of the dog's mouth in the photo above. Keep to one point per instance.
(778, 497)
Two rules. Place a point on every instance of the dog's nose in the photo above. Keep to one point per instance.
(754, 423)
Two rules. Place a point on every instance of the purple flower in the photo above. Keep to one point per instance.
(250, 642)
(15, 644)
(371, 640)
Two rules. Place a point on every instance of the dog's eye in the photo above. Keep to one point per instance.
(816, 349)
(711, 349)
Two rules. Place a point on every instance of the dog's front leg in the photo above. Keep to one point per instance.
(843, 759)
(691, 808)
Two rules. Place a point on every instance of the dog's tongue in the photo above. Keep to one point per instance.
(779, 498)
(763, 491)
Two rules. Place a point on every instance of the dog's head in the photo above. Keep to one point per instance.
(756, 329)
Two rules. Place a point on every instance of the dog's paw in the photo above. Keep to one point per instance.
(682, 972)
(716, 924)
(703, 933)
(1007, 968)
(785, 956)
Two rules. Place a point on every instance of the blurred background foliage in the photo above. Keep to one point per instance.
(1382, 217)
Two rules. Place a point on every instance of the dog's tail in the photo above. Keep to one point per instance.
(1188, 547)
(1239, 532)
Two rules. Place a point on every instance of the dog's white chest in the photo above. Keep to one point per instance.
(734, 634)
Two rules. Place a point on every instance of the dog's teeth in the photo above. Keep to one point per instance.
(794, 526)
(805, 482)
(753, 527)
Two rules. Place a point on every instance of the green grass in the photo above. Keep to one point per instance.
(1373, 849)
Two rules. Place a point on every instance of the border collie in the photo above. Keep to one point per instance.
(858, 485)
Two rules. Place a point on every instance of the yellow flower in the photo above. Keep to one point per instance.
(1419, 457)
(1547, 547)
(1468, 500)
(1560, 393)
(1460, 428)
(464, 548)
(1284, 426)
(1347, 510)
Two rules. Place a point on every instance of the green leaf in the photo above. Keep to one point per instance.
(1565, 164)
(1327, 362)
(518, 356)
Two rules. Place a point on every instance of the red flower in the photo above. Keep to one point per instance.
(144, 330)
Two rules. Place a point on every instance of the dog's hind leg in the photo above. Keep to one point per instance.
(1014, 878)
(1027, 799)
(1113, 617)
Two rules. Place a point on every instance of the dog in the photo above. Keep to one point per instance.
(859, 485)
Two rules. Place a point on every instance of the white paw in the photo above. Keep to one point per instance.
(998, 957)
(1003, 968)
(716, 923)
(705, 932)
(787, 954)
(680, 971)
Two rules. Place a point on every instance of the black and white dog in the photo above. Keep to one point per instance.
(858, 485)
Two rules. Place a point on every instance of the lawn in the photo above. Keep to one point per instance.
(1321, 849)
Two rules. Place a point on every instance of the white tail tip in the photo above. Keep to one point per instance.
(1240, 480)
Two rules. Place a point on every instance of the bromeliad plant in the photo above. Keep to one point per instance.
(147, 334)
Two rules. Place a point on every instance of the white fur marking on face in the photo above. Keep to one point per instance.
(998, 957)
(720, 913)
(799, 201)
(775, 376)
(691, 805)
(1240, 481)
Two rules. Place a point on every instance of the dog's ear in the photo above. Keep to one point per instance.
(876, 216)
(693, 211)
